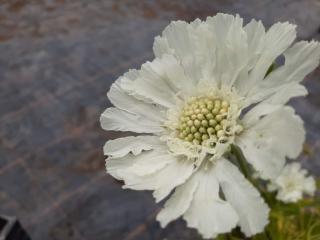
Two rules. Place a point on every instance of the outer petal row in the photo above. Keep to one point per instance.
(199, 202)
(159, 81)
(155, 169)
(142, 97)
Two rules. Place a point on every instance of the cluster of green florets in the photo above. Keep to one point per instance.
(203, 118)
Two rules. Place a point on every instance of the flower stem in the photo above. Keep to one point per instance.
(241, 161)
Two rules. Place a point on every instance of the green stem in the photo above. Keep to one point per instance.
(241, 161)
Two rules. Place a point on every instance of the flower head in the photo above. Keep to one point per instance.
(205, 90)
(292, 183)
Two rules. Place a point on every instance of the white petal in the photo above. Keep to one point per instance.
(293, 182)
(268, 164)
(161, 47)
(289, 197)
(181, 39)
(258, 111)
(277, 39)
(286, 130)
(143, 164)
(178, 203)
(169, 70)
(256, 37)
(276, 136)
(282, 83)
(120, 147)
(245, 199)
(281, 95)
(118, 120)
(301, 59)
(163, 181)
(209, 214)
(151, 84)
(231, 48)
(309, 186)
(116, 167)
(122, 100)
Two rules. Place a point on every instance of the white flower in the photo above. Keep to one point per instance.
(205, 90)
(292, 183)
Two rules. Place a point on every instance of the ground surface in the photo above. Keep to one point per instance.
(57, 60)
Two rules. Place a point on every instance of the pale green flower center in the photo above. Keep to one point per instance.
(203, 118)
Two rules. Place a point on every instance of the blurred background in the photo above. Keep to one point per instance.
(58, 58)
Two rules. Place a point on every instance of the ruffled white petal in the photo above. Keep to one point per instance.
(283, 83)
(168, 69)
(230, 49)
(131, 114)
(182, 40)
(122, 100)
(150, 86)
(266, 163)
(120, 147)
(118, 120)
(161, 47)
(277, 39)
(176, 38)
(146, 163)
(285, 93)
(258, 111)
(208, 213)
(178, 203)
(158, 82)
(244, 198)
(301, 59)
(256, 38)
(267, 142)
(162, 181)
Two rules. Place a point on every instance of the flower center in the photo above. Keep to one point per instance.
(203, 118)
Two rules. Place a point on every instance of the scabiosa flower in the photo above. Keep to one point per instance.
(292, 183)
(206, 90)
